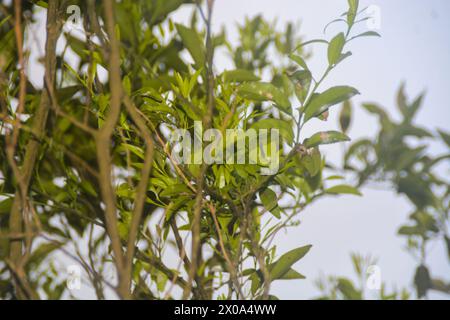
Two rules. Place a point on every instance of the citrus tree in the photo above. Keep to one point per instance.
(88, 169)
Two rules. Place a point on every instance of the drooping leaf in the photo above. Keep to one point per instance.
(366, 34)
(321, 102)
(292, 275)
(311, 42)
(343, 189)
(326, 137)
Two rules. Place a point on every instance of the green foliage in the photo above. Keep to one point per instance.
(193, 43)
(331, 97)
(340, 288)
(399, 156)
(231, 211)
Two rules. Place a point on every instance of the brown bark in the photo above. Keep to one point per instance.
(54, 25)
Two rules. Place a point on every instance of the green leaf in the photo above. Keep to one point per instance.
(256, 282)
(321, 102)
(402, 104)
(301, 80)
(343, 189)
(176, 205)
(345, 117)
(445, 137)
(292, 275)
(284, 126)
(422, 280)
(409, 231)
(193, 44)
(270, 201)
(409, 130)
(161, 8)
(366, 34)
(344, 56)
(311, 42)
(348, 290)
(283, 265)
(175, 189)
(87, 186)
(356, 147)
(248, 272)
(447, 242)
(299, 60)
(312, 162)
(416, 189)
(5, 205)
(127, 87)
(239, 75)
(376, 110)
(326, 137)
(335, 48)
(352, 11)
(42, 4)
(332, 22)
(6, 19)
(134, 149)
(40, 253)
(263, 91)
